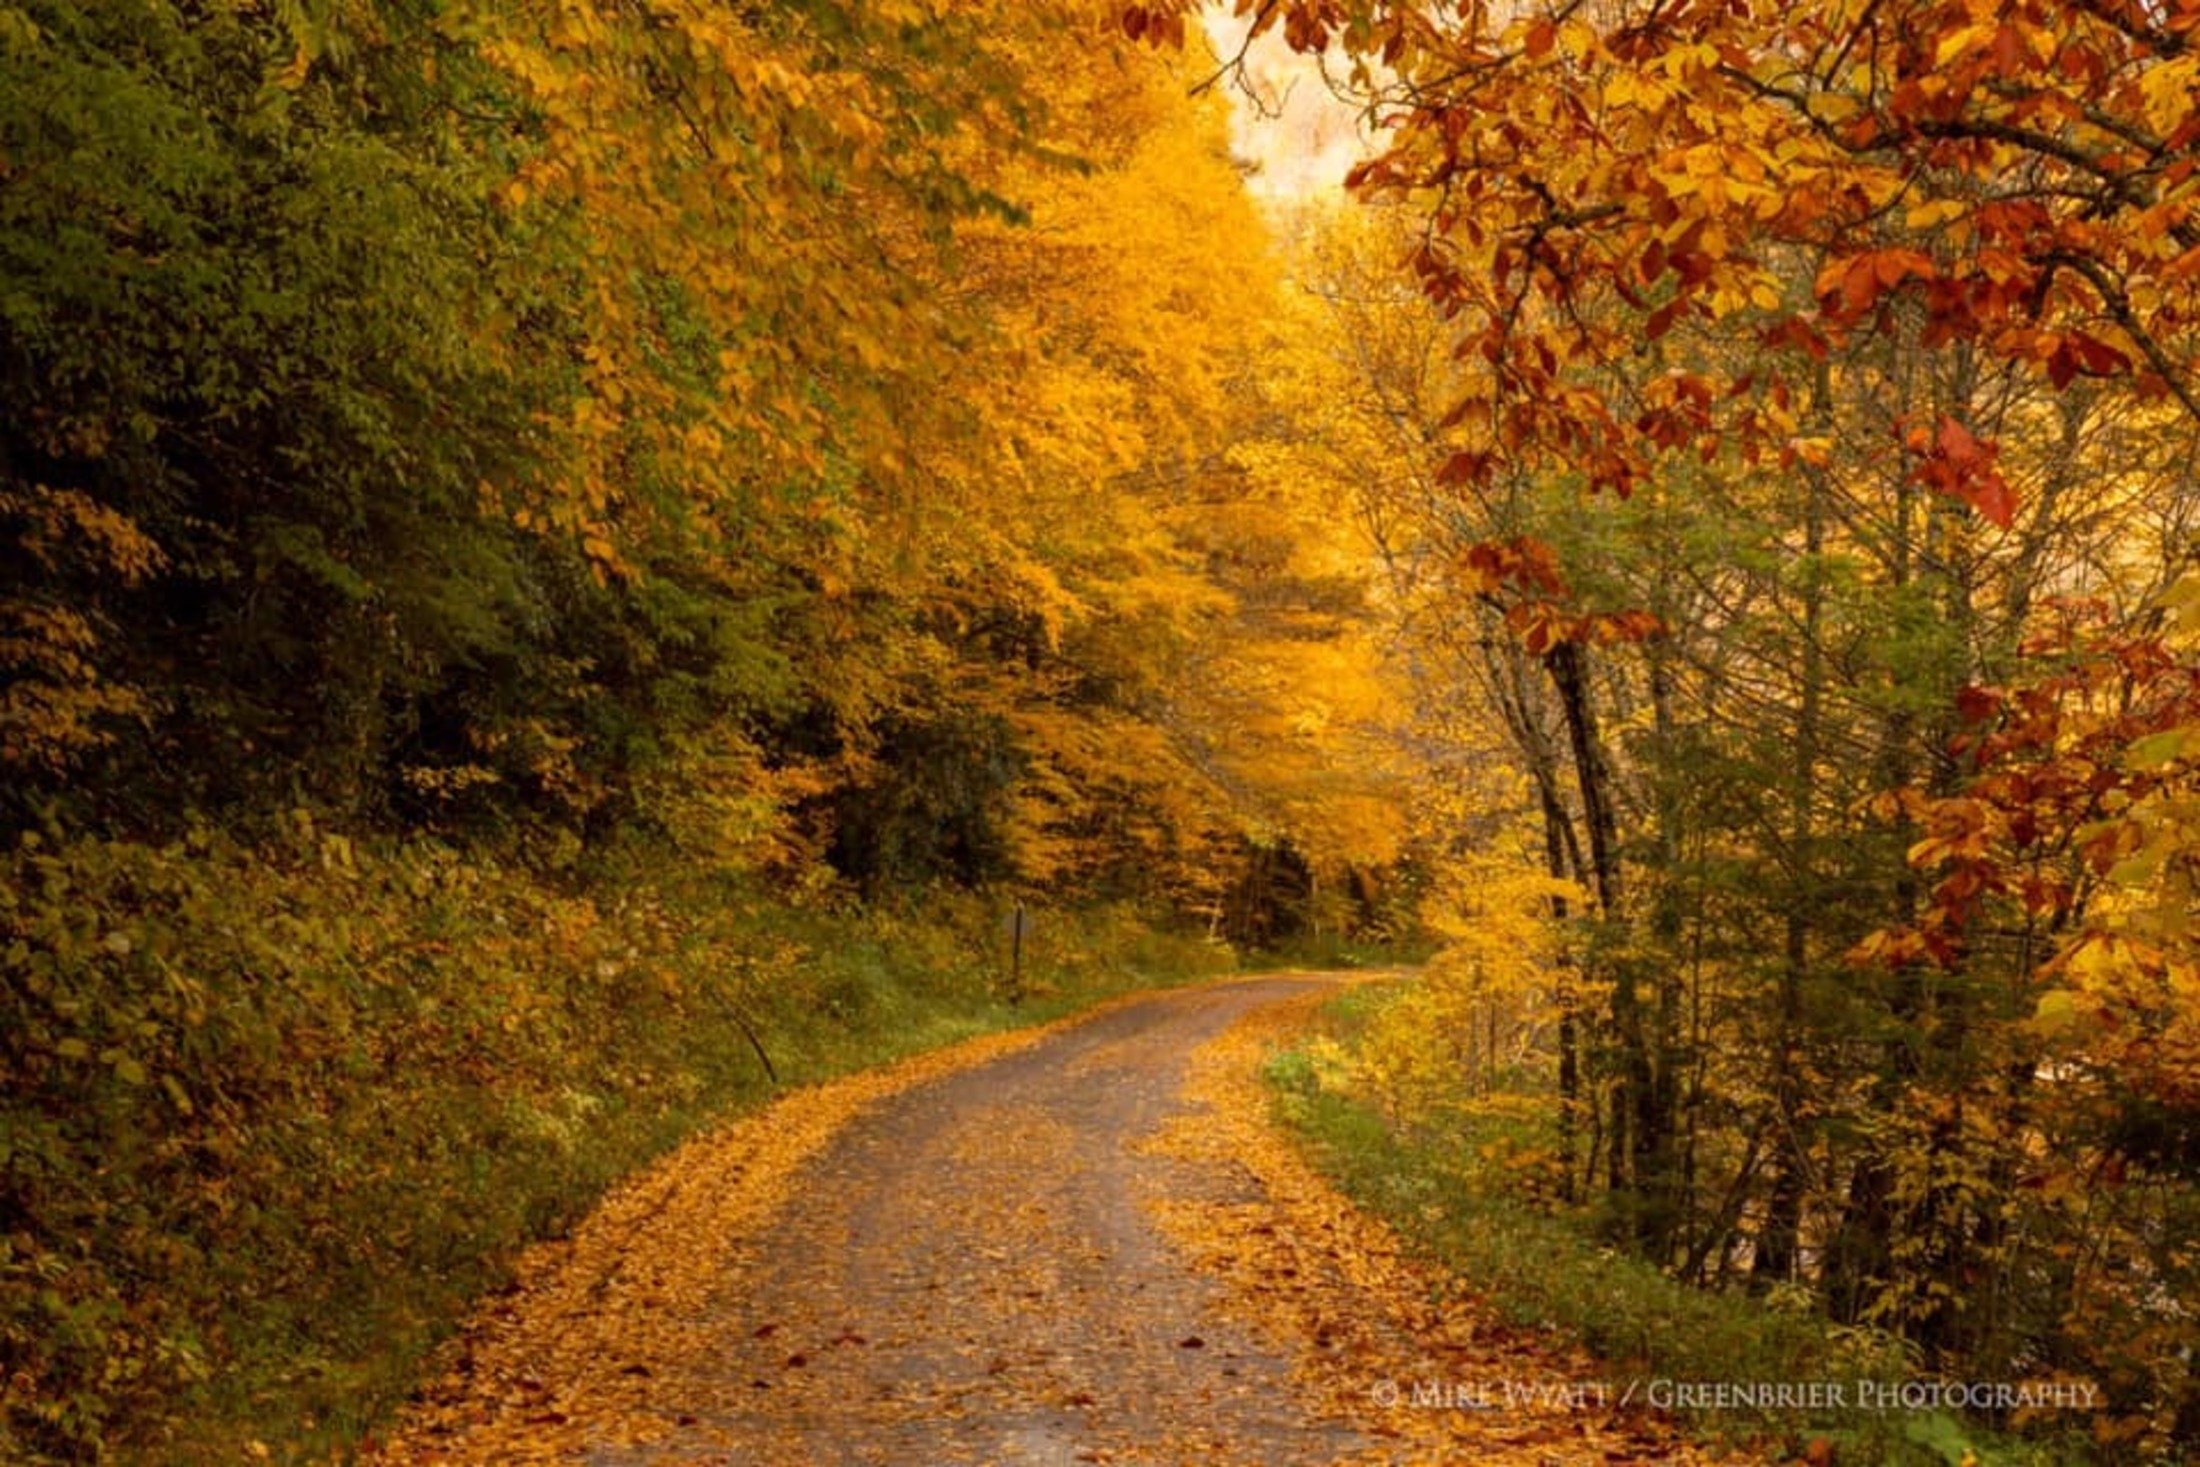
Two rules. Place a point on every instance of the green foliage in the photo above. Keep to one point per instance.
(259, 1147)
(243, 304)
(1449, 1191)
(1332, 949)
(936, 809)
(494, 417)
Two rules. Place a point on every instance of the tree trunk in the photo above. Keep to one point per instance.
(1555, 832)
(1779, 1239)
(1638, 1154)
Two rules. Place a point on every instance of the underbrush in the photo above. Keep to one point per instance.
(1467, 1186)
(1334, 951)
(273, 1114)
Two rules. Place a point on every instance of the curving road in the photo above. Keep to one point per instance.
(974, 1273)
(1091, 1249)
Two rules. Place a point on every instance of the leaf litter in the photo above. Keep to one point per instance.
(578, 1351)
(1084, 1243)
(1382, 1340)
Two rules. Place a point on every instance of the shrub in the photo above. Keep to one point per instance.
(273, 1113)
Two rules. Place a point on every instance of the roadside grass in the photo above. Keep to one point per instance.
(1457, 1193)
(278, 1113)
(1330, 951)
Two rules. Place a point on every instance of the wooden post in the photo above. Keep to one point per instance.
(1018, 921)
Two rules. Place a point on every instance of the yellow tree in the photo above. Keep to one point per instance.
(1166, 632)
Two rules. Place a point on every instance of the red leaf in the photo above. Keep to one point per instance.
(1958, 445)
(1859, 287)
(1464, 468)
(1989, 493)
(2062, 366)
(1977, 704)
(2097, 356)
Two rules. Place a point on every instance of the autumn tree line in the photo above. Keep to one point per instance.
(1788, 417)
(803, 435)
(533, 531)
(557, 557)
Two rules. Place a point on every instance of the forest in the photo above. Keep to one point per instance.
(564, 563)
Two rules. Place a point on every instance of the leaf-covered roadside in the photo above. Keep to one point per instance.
(1467, 1179)
(1385, 1338)
(263, 1147)
(602, 1328)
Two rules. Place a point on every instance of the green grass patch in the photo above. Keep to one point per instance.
(1449, 1191)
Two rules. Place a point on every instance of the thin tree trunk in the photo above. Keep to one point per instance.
(1639, 1123)
(1779, 1240)
(1555, 832)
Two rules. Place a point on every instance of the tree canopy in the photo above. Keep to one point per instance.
(1790, 414)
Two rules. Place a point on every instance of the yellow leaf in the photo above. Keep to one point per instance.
(1932, 213)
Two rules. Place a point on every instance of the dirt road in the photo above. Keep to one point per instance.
(1091, 1249)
